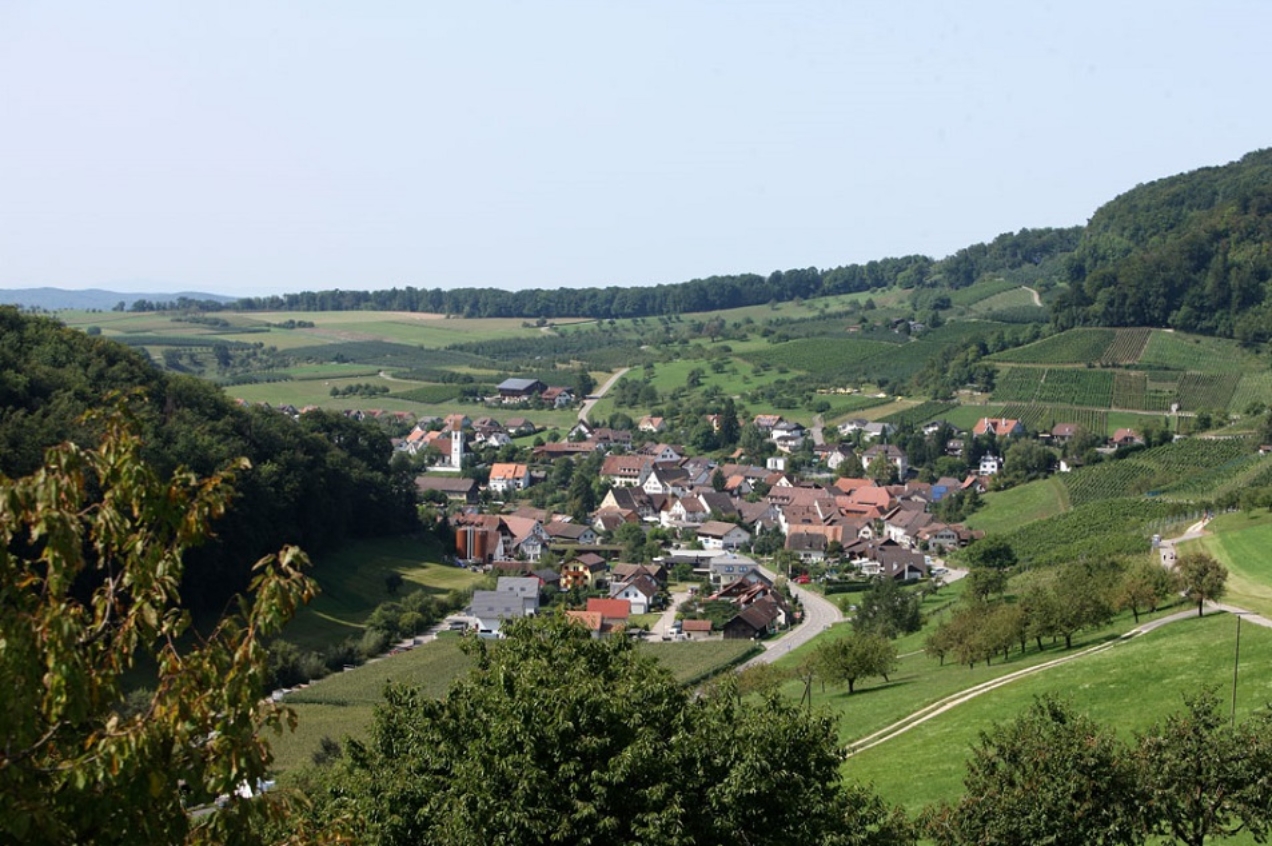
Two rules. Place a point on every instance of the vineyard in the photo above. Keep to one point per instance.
(1130, 390)
(1055, 386)
(848, 360)
(1207, 390)
(1115, 527)
(1127, 347)
(1254, 387)
(1043, 418)
(1176, 351)
(1077, 346)
(1250, 470)
(1157, 469)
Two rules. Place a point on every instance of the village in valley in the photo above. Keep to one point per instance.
(714, 521)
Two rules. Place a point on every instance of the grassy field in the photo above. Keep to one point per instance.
(1241, 541)
(1178, 351)
(1004, 510)
(353, 584)
(1128, 686)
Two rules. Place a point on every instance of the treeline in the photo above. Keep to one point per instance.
(315, 482)
(711, 294)
(1189, 252)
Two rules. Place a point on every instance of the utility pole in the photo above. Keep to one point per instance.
(1236, 663)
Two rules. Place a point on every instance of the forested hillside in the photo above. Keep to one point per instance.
(315, 481)
(1191, 252)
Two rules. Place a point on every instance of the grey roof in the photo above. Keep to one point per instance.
(492, 604)
(519, 585)
(518, 384)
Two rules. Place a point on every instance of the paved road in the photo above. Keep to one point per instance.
(819, 615)
(586, 408)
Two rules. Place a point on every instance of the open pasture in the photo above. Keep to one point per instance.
(1127, 687)
(1004, 510)
(1240, 540)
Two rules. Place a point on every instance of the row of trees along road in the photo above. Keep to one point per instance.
(1057, 604)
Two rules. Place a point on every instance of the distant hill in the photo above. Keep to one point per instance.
(53, 299)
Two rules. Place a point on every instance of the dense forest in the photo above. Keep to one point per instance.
(1191, 252)
(314, 482)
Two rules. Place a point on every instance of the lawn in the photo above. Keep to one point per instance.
(1004, 510)
(1241, 541)
(1128, 686)
(352, 582)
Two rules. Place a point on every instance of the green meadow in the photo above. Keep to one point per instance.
(1243, 542)
(1128, 686)
(353, 584)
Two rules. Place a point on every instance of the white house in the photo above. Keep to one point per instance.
(990, 464)
(508, 477)
(716, 534)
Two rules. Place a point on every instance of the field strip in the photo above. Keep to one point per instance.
(941, 706)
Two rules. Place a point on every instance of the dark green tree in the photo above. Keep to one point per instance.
(1050, 776)
(1202, 578)
(556, 737)
(1203, 778)
(887, 609)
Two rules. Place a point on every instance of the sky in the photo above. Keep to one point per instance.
(252, 148)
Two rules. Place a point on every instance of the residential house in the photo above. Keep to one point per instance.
(891, 453)
(651, 424)
(758, 619)
(1064, 432)
(526, 587)
(590, 620)
(625, 470)
(614, 612)
(810, 547)
(725, 568)
(518, 426)
(508, 477)
(716, 534)
(557, 397)
(998, 426)
(990, 465)
(766, 422)
(1126, 438)
(559, 531)
(639, 592)
(584, 571)
(630, 499)
(493, 608)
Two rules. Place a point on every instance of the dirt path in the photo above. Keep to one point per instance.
(590, 401)
(1037, 299)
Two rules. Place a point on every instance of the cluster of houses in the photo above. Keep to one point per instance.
(759, 608)
(878, 529)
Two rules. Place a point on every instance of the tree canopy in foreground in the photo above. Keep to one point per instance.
(556, 737)
(92, 558)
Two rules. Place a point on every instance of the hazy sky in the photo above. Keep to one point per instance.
(261, 147)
